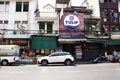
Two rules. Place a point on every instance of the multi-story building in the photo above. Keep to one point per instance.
(47, 22)
(109, 13)
(36, 24)
(75, 40)
(15, 21)
(30, 24)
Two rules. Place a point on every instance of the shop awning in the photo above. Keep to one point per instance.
(114, 42)
(43, 42)
(107, 42)
(97, 41)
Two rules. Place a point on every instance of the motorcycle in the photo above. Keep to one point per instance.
(96, 60)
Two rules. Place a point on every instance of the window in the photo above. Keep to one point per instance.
(42, 25)
(1, 2)
(104, 15)
(24, 23)
(16, 22)
(49, 27)
(105, 0)
(56, 54)
(22, 6)
(7, 6)
(5, 22)
(25, 6)
(101, 1)
(4, 5)
(114, 0)
(46, 26)
(1, 21)
(113, 15)
(18, 6)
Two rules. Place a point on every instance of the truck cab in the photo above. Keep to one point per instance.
(9, 54)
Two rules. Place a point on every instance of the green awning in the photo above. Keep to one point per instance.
(114, 42)
(97, 41)
(107, 42)
(43, 42)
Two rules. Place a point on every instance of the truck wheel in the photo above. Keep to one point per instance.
(4, 63)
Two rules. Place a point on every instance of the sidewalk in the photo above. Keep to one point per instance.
(89, 62)
(32, 61)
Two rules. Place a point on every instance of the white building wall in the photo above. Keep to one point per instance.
(11, 15)
(91, 4)
(47, 13)
(94, 4)
(31, 15)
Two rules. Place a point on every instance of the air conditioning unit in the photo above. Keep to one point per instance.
(41, 31)
(14, 32)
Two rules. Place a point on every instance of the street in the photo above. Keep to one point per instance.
(101, 71)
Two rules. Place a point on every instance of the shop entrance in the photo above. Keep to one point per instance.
(68, 48)
(74, 49)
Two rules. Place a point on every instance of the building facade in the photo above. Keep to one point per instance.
(42, 27)
(25, 22)
(109, 12)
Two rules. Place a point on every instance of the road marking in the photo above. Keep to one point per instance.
(73, 71)
(16, 72)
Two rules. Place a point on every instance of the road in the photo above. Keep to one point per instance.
(101, 71)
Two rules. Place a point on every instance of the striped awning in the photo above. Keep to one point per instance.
(71, 39)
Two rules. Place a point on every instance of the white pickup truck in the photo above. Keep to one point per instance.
(9, 54)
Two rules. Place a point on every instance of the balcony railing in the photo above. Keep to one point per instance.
(88, 34)
(27, 32)
(97, 34)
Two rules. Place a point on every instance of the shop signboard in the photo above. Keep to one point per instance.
(78, 52)
(19, 42)
(72, 26)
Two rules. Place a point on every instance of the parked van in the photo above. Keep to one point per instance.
(9, 54)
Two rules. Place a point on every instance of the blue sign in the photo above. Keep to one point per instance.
(71, 36)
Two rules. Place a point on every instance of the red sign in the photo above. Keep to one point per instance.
(19, 42)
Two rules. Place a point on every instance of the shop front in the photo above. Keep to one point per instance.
(21, 40)
(43, 45)
(74, 46)
(96, 47)
(1, 39)
(71, 34)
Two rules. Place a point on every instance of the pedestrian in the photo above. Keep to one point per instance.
(114, 53)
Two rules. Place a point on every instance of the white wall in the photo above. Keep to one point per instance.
(92, 4)
(31, 15)
(13, 16)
